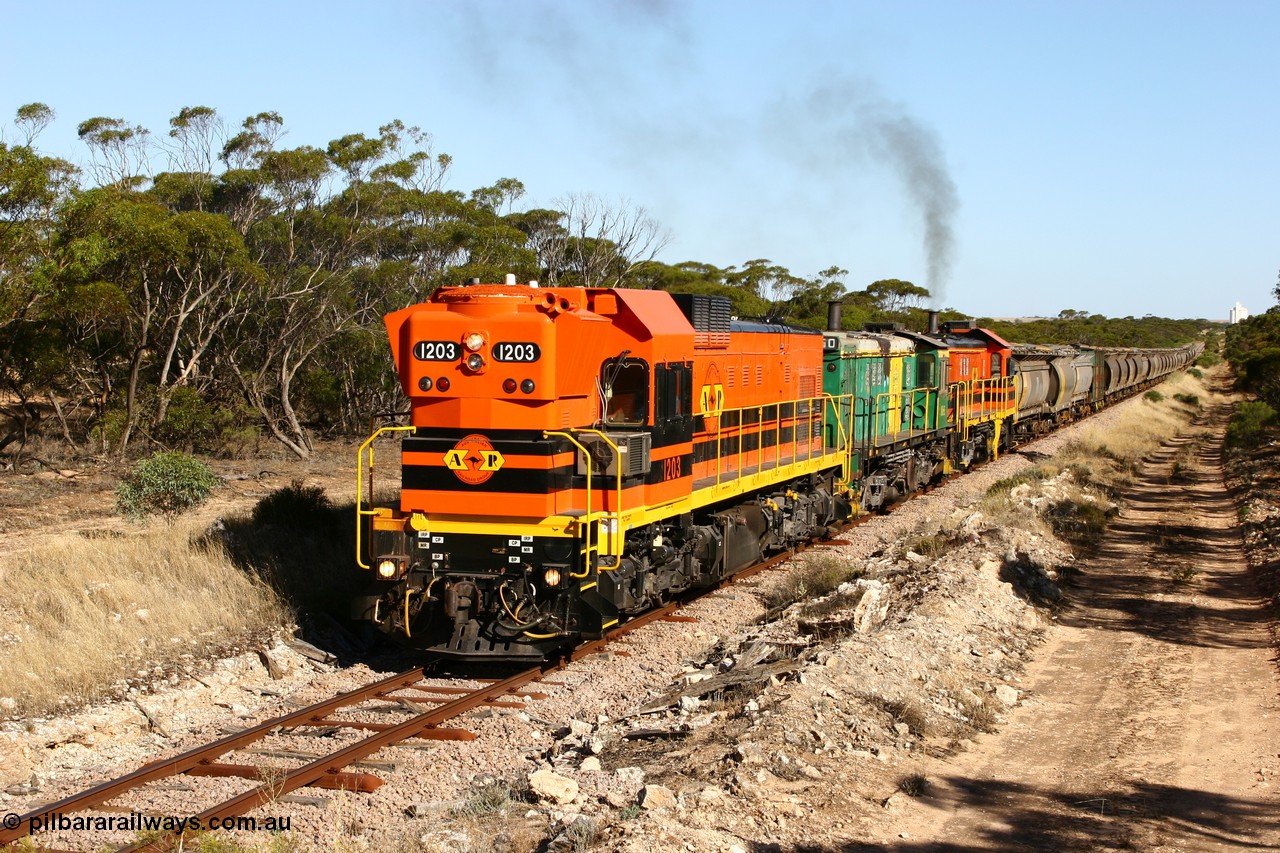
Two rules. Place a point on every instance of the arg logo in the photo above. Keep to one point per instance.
(473, 460)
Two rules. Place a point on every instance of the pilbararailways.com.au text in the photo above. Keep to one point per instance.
(139, 822)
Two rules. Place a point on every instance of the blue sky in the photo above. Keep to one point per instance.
(1113, 157)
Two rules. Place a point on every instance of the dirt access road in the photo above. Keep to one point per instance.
(1153, 721)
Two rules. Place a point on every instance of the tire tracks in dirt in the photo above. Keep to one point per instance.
(1153, 721)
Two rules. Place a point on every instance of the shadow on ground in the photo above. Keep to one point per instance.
(1021, 818)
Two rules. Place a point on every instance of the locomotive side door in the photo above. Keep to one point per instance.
(894, 398)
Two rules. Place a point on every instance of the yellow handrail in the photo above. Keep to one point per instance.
(846, 441)
(360, 511)
(586, 518)
(615, 549)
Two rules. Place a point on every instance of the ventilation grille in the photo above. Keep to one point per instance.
(633, 454)
(710, 317)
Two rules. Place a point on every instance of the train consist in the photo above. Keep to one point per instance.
(576, 456)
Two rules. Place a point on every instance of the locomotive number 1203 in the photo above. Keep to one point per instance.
(515, 351)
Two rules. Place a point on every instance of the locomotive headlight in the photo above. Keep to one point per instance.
(475, 361)
(473, 340)
(387, 569)
(551, 577)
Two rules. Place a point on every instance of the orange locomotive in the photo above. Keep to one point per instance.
(578, 455)
(981, 389)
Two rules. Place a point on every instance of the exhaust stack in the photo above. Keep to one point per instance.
(933, 323)
(833, 315)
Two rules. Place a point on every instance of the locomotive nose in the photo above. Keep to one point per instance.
(496, 357)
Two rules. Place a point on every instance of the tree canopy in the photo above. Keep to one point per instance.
(202, 287)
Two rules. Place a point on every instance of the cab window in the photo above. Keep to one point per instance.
(672, 403)
(924, 371)
(625, 387)
(673, 386)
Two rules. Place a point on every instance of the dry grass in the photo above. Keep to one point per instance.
(1140, 430)
(931, 545)
(1108, 456)
(811, 576)
(912, 712)
(1102, 462)
(913, 784)
(1004, 498)
(1008, 511)
(87, 617)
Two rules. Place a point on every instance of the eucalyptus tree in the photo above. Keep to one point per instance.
(352, 232)
(168, 269)
(273, 263)
(807, 304)
(119, 151)
(603, 242)
(544, 236)
(699, 277)
(893, 296)
(32, 186)
(180, 277)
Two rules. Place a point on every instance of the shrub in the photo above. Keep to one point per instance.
(168, 483)
(195, 424)
(295, 506)
(1081, 523)
(933, 545)
(1188, 399)
(1196, 372)
(1248, 423)
(1027, 475)
(107, 431)
(302, 545)
(188, 421)
(582, 834)
(1154, 396)
(913, 785)
(1082, 473)
(492, 798)
(810, 578)
(1208, 359)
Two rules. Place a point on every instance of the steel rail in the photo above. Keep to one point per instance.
(205, 754)
(334, 762)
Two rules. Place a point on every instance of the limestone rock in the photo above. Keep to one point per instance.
(657, 797)
(549, 785)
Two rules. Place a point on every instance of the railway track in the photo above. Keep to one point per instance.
(437, 713)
